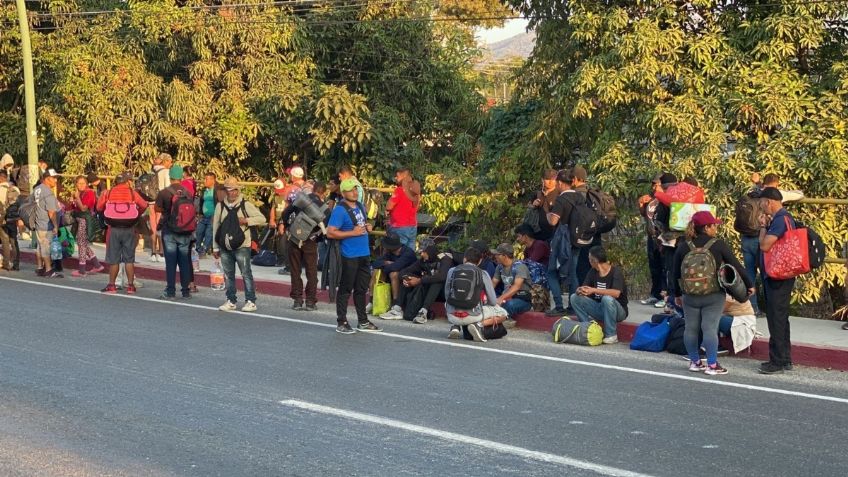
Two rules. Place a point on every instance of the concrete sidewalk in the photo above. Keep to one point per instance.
(819, 343)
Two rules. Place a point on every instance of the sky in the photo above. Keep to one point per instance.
(510, 29)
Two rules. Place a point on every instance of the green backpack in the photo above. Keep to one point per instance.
(577, 332)
(699, 272)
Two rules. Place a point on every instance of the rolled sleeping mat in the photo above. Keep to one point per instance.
(732, 283)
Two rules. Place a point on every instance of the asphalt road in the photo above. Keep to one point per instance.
(98, 385)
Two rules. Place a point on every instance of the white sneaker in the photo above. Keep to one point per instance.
(660, 304)
(369, 308)
(394, 314)
(610, 339)
(228, 306)
(249, 306)
(153, 258)
(421, 317)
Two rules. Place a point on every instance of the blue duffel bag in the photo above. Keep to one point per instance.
(651, 336)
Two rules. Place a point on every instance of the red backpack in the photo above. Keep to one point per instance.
(183, 216)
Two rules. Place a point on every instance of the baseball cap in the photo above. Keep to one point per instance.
(297, 172)
(232, 184)
(50, 173)
(524, 229)
(176, 172)
(549, 174)
(391, 242)
(703, 218)
(347, 185)
(480, 245)
(279, 185)
(579, 172)
(771, 193)
(504, 249)
(122, 178)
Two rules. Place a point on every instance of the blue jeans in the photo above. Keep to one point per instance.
(177, 254)
(724, 324)
(573, 281)
(751, 257)
(554, 286)
(516, 306)
(407, 235)
(229, 259)
(608, 311)
(204, 234)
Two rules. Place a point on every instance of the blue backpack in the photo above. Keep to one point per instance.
(538, 273)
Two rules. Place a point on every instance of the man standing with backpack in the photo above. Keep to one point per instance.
(465, 310)
(9, 195)
(348, 225)
(46, 222)
(564, 253)
(231, 229)
(179, 220)
(303, 232)
(121, 237)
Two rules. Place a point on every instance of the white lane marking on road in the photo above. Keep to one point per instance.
(462, 439)
(576, 423)
(710, 446)
(680, 377)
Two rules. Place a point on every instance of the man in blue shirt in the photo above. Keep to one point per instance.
(778, 292)
(348, 225)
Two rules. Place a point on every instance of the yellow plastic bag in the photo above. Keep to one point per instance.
(382, 300)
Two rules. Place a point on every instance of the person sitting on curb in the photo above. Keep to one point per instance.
(516, 298)
(603, 296)
(535, 250)
(396, 257)
(423, 282)
(473, 318)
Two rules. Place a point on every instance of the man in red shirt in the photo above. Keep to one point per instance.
(535, 250)
(403, 208)
(121, 238)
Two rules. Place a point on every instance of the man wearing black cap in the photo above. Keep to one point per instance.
(778, 292)
(396, 258)
(564, 256)
(424, 283)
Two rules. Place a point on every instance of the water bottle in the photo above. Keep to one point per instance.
(56, 249)
(216, 277)
(195, 260)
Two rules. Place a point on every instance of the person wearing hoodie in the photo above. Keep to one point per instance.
(231, 253)
(423, 283)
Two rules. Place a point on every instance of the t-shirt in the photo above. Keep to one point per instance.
(190, 186)
(613, 281)
(539, 252)
(504, 274)
(778, 224)
(208, 202)
(564, 204)
(351, 247)
(162, 176)
(45, 202)
(404, 213)
(163, 200)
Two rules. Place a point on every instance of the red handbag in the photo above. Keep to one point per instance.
(790, 255)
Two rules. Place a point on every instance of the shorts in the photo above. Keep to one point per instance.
(44, 239)
(120, 245)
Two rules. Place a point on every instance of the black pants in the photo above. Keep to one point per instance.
(668, 264)
(355, 277)
(778, 294)
(416, 298)
(305, 256)
(657, 267)
(11, 229)
(281, 248)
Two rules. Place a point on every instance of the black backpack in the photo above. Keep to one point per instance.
(230, 235)
(465, 287)
(147, 186)
(583, 224)
(747, 220)
(604, 206)
(816, 247)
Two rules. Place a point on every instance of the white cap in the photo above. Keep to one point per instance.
(297, 172)
(7, 160)
(278, 184)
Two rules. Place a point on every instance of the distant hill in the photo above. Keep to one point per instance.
(517, 46)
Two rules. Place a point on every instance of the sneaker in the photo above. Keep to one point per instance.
(558, 311)
(186, 296)
(610, 339)
(369, 308)
(476, 332)
(310, 307)
(167, 297)
(394, 314)
(283, 271)
(421, 317)
(722, 351)
(55, 275)
(110, 289)
(249, 306)
(298, 306)
(715, 370)
(368, 326)
(97, 270)
(660, 304)
(771, 368)
(77, 274)
(153, 258)
(697, 367)
(509, 323)
(650, 301)
(131, 290)
(228, 306)
(455, 332)
(345, 329)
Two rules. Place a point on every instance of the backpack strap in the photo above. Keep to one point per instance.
(350, 213)
(710, 243)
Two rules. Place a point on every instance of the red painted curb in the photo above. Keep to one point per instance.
(805, 354)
